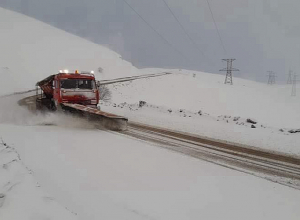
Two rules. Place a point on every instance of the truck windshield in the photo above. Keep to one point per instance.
(77, 84)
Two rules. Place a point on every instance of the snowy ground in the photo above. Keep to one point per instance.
(71, 170)
(203, 105)
(93, 174)
(24, 199)
(97, 174)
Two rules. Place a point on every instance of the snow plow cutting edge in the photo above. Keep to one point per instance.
(107, 120)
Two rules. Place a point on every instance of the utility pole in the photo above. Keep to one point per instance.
(229, 69)
(290, 81)
(294, 85)
(271, 79)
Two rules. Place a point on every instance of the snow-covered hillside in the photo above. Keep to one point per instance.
(201, 103)
(32, 50)
(271, 105)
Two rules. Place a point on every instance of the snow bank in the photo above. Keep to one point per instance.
(32, 50)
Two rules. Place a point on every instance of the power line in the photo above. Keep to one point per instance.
(184, 30)
(164, 39)
(212, 15)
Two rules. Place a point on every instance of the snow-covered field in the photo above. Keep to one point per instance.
(205, 106)
(70, 170)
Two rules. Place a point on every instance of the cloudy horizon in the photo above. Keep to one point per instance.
(261, 35)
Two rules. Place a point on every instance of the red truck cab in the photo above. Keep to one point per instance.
(65, 87)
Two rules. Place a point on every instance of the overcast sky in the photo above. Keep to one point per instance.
(261, 34)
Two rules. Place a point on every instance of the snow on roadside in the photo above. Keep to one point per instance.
(195, 105)
(24, 199)
(209, 127)
(271, 105)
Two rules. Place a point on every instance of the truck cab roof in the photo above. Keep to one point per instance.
(46, 84)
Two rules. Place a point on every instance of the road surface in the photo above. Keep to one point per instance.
(274, 166)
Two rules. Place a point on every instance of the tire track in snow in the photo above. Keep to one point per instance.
(273, 166)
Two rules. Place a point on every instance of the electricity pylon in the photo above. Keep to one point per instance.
(294, 85)
(290, 81)
(229, 69)
(272, 77)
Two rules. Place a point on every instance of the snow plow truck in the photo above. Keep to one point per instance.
(76, 93)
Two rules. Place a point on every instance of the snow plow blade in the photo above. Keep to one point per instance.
(107, 120)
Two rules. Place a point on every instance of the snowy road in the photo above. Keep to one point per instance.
(274, 166)
(100, 174)
(280, 168)
(103, 175)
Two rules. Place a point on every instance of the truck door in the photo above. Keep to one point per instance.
(56, 91)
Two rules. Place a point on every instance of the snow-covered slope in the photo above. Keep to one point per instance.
(201, 103)
(32, 50)
(272, 105)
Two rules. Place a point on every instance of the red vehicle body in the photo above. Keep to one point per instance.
(74, 88)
